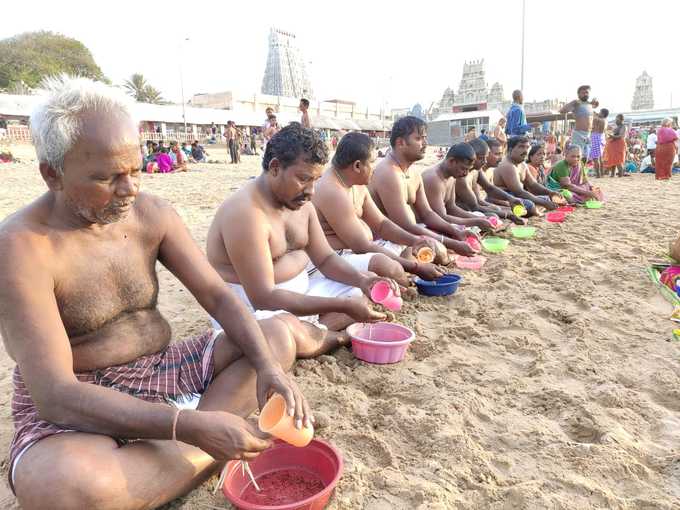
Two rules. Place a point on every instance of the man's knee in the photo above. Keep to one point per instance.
(280, 332)
(68, 481)
(382, 265)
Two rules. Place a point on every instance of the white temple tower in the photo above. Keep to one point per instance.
(285, 73)
(643, 98)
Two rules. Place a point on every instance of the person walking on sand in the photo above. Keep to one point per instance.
(304, 120)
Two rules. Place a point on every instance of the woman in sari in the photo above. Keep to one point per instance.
(570, 174)
(665, 150)
(536, 163)
(615, 150)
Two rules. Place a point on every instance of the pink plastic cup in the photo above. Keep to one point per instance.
(381, 342)
(473, 243)
(476, 262)
(382, 294)
(495, 222)
(318, 457)
(555, 216)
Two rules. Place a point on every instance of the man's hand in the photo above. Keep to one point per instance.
(224, 436)
(482, 223)
(360, 310)
(274, 380)
(424, 242)
(515, 201)
(517, 220)
(458, 234)
(548, 204)
(462, 248)
(368, 281)
(558, 198)
(428, 271)
(594, 103)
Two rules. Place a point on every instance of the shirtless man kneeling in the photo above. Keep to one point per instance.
(513, 176)
(349, 217)
(78, 295)
(263, 237)
(399, 193)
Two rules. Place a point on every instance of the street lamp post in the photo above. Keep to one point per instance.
(181, 84)
(523, 20)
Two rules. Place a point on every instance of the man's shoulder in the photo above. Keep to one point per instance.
(244, 206)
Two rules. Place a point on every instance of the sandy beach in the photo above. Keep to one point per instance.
(547, 381)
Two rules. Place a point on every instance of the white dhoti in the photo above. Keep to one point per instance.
(303, 283)
(395, 248)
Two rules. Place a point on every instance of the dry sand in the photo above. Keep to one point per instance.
(547, 381)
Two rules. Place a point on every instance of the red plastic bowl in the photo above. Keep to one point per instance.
(566, 209)
(555, 217)
(380, 342)
(318, 456)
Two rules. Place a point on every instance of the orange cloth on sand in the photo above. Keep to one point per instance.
(615, 152)
(665, 153)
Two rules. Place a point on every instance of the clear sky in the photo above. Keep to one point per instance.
(372, 52)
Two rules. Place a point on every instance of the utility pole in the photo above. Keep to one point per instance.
(523, 23)
(181, 84)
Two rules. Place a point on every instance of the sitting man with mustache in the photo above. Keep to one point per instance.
(264, 237)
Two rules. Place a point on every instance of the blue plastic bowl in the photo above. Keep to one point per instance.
(447, 284)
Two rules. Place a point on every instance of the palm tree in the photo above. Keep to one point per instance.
(135, 86)
(142, 91)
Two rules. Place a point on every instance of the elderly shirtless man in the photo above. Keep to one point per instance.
(78, 295)
(513, 176)
(263, 237)
(399, 193)
(582, 109)
(349, 217)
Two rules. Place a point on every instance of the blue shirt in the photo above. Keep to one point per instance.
(517, 121)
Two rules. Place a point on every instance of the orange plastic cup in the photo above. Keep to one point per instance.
(276, 421)
(425, 255)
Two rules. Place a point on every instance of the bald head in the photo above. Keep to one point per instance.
(517, 96)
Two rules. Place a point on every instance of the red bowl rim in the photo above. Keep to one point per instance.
(237, 501)
(359, 339)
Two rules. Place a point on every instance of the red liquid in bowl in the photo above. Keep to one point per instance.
(283, 487)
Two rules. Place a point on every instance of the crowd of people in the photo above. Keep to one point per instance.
(290, 261)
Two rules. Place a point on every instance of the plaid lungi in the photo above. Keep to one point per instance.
(179, 372)
(596, 145)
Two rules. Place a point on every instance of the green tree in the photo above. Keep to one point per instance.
(32, 56)
(142, 91)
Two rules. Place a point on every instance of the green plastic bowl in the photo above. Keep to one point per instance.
(566, 194)
(495, 244)
(523, 232)
(593, 204)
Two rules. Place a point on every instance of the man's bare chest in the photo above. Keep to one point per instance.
(289, 233)
(98, 283)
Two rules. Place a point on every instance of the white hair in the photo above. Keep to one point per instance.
(667, 122)
(56, 123)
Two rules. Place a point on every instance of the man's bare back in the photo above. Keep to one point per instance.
(358, 195)
(599, 124)
(286, 232)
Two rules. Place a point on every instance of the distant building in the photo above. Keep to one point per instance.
(285, 73)
(643, 97)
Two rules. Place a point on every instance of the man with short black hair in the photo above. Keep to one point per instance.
(583, 112)
(264, 236)
(399, 193)
(349, 217)
(513, 176)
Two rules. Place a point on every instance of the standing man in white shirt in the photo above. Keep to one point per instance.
(651, 145)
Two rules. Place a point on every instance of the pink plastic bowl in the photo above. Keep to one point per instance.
(381, 342)
(318, 457)
(566, 209)
(555, 217)
(475, 262)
